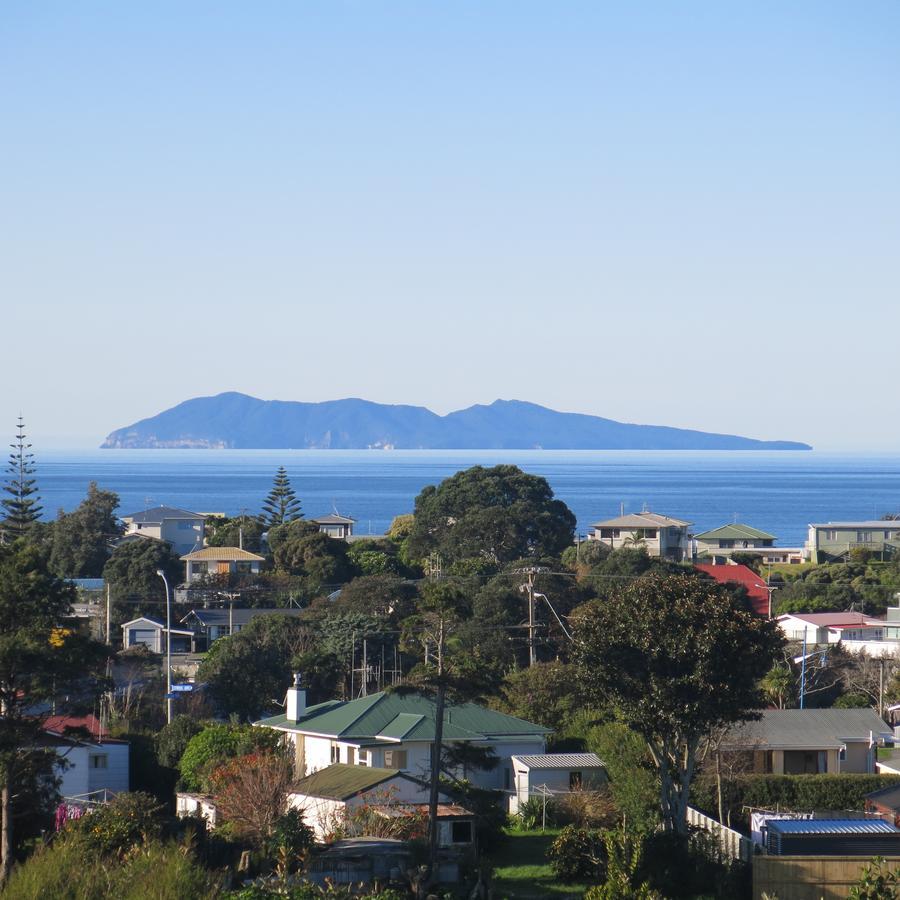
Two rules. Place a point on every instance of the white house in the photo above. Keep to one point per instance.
(389, 731)
(200, 805)
(660, 535)
(220, 561)
(335, 525)
(852, 629)
(183, 529)
(94, 763)
(555, 773)
(152, 634)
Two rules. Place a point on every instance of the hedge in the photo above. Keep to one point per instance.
(802, 793)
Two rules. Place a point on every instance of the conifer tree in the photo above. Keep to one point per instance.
(22, 507)
(281, 505)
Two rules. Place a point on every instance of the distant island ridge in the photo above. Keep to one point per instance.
(237, 421)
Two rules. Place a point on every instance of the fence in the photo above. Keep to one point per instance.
(732, 843)
(809, 877)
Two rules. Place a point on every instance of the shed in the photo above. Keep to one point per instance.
(832, 837)
(152, 634)
(557, 773)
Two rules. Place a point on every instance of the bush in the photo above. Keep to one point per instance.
(128, 819)
(531, 814)
(217, 744)
(578, 853)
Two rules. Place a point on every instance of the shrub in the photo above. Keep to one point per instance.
(532, 811)
(578, 853)
(128, 819)
(215, 745)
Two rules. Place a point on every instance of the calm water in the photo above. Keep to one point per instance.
(778, 492)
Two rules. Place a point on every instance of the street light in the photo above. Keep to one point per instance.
(168, 648)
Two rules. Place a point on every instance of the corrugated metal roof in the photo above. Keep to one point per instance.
(225, 554)
(341, 781)
(806, 729)
(368, 717)
(158, 514)
(833, 619)
(642, 520)
(240, 617)
(561, 761)
(880, 524)
(735, 531)
(333, 519)
(831, 826)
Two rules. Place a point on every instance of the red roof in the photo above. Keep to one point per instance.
(756, 587)
(61, 725)
(836, 619)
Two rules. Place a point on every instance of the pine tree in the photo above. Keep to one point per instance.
(282, 504)
(22, 506)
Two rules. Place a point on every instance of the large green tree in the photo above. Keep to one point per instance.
(131, 573)
(496, 515)
(281, 505)
(240, 531)
(42, 663)
(22, 506)
(80, 540)
(674, 657)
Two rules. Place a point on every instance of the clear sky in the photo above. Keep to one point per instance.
(675, 213)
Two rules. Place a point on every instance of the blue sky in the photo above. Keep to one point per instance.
(683, 214)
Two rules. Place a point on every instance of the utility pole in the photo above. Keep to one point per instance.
(530, 573)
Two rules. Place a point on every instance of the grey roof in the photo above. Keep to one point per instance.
(158, 514)
(887, 524)
(159, 625)
(561, 761)
(886, 796)
(832, 826)
(207, 617)
(333, 519)
(642, 520)
(807, 729)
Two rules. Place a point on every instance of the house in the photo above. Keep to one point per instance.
(808, 741)
(538, 774)
(335, 525)
(210, 624)
(182, 529)
(720, 543)
(390, 731)
(200, 564)
(756, 587)
(327, 795)
(885, 802)
(94, 762)
(662, 536)
(199, 805)
(832, 628)
(833, 541)
(152, 634)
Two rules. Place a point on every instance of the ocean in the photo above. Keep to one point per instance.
(779, 492)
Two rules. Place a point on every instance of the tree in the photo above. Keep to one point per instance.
(674, 657)
(131, 573)
(41, 662)
(498, 514)
(79, 541)
(317, 558)
(545, 693)
(23, 504)
(282, 504)
(215, 745)
(240, 531)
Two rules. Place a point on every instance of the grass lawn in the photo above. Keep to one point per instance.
(522, 871)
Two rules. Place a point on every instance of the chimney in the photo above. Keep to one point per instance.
(296, 701)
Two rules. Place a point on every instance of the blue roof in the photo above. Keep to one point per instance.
(88, 584)
(832, 826)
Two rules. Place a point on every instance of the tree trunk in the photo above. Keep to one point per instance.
(435, 781)
(5, 831)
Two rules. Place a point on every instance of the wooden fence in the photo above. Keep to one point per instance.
(733, 844)
(809, 877)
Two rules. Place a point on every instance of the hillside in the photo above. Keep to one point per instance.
(237, 421)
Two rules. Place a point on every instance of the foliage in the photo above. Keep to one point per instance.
(877, 882)
(239, 531)
(653, 653)
(852, 700)
(281, 505)
(578, 853)
(79, 541)
(499, 514)
(22, 507)
(247, 671)
(215, 745)
(131, 573)
(384, 597)
(250, 793)
(863, 584)
(291, 834)
(310, 891)
(155, 871)
(372, 557)
(173, 739)
(545, 693)
(321, 561)
(128, 819)
(624, 860)
(41, 663)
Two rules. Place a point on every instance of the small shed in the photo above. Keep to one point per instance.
(832, 837)
(189, 804)
(152, 634)
(540, 774)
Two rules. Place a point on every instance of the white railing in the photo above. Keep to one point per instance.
(732, 843)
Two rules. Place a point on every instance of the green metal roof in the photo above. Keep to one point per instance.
(734, 531)
(341, 781)
(409, 717)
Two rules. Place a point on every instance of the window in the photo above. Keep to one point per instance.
(185, 525)
(395, 759)
(842, 754)
(200, 568)
(830, 534)
(863, 537)
(363, 758)
(242, 567)
(574, 781)
(98, 760)
(725, 544)
(461, 833)
(351, 756)
(650, 534)
(335, 752)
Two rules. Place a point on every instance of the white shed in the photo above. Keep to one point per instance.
(554, 773)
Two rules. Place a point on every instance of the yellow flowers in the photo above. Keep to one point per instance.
(58, 636)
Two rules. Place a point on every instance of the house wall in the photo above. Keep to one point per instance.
(830, 543)
(529, 781)
(858, 758)
(196, 805)
(185, 535)
(80, 777)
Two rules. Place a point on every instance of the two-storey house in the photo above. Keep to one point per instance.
(182, 529)
(390, 731)
(718, 545)
(833, 541)
(660, 535)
